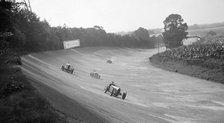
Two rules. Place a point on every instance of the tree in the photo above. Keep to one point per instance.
(141, 33)
(142, 38)
(174, 31)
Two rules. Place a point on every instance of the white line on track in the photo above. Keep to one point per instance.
(78, 52)
(41, 61)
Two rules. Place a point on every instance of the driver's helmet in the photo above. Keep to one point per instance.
(67, 64)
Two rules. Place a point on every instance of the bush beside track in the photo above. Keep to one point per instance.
(203, 60)
(19, 101)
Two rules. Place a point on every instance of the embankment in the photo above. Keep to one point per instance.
(208, 69)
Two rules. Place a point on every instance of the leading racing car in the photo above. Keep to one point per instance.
(115, 91)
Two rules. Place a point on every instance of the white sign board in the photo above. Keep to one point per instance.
(71, 44)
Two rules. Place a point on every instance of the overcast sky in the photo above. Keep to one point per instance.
(126, 15)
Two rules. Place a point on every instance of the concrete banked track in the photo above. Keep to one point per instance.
(153, 95)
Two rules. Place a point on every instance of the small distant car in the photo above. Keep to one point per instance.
(67, 68)
(95, 75)
(115, 91)
(109, 61)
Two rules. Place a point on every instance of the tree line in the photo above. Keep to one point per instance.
(29, 33)
(97, 36)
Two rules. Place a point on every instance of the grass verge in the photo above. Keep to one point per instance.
(21, 103)
(209, 69)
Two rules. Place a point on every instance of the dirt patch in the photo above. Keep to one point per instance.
(200, 70)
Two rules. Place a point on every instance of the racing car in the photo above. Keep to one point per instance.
(95, 75)
(109, 61)
(115, 91)
(67, 68)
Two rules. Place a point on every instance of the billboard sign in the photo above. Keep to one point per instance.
(71, 44)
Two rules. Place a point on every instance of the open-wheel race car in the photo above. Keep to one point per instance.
(109, 61)
(115, 91)
(95, 75)
(67, 68)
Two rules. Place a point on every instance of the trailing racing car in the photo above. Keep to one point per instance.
(115, 91)
(67, 68)
(109, 61)
(95, 75)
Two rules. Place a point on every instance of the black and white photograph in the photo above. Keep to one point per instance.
(111, 61)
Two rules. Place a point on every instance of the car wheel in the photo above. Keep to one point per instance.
(106, 90)
(124, 95)
(112, 93)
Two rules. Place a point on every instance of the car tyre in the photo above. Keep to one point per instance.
(106, 90)
(124, 95)
(112, 93)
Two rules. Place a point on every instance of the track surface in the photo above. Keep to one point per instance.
(154, 95)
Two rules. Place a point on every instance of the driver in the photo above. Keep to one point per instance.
(112, 83)
(68, 65)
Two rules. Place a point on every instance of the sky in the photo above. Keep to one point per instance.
(126, 15)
